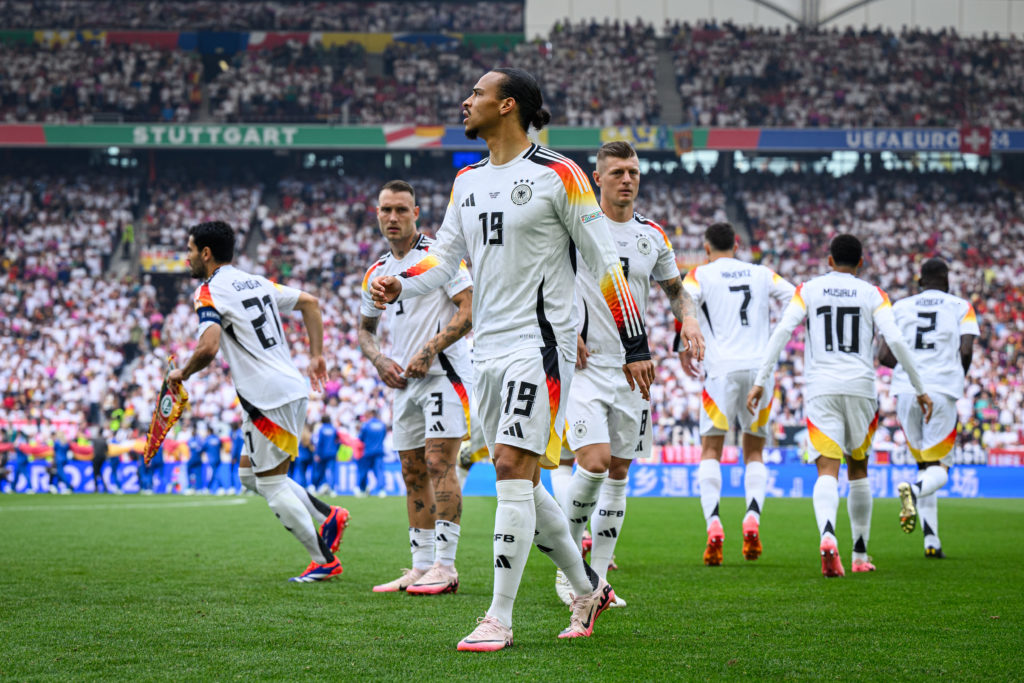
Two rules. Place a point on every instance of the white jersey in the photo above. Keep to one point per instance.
(417, 321)
(932, 323)
(520, 224)
(248, 308)
(735, 317)
(842, 312)
(645, 252)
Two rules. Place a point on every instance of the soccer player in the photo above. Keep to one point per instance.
(609, 424)
(240, 313)
(521, 214)
(940, 329)
(842, 312)
(735, 298)
(430, 377)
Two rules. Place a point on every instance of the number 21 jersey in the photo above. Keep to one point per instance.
(247, 307)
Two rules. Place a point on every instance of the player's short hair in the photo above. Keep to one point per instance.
(218, 236)
(619, 149)
(398, 186)
(521, 86)
(846, 250)
(720, 236)
(936, 271)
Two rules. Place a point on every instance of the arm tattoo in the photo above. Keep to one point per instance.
(457, 328)
(680, 300)
(368, 338)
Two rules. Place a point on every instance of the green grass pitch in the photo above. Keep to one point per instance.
(171, 588)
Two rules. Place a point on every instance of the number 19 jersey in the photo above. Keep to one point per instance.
(733, 300)
(932, 323)
(248, 308)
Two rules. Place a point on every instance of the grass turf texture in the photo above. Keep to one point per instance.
(168, 588)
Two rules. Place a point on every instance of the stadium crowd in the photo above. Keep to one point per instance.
(263, 15)
(80, 347)
(729, 75)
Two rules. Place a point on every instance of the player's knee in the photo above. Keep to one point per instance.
(248, 479)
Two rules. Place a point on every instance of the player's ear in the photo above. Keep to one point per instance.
(415, 212)
(597, 178)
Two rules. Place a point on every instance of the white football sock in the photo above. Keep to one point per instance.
(709, 475)
(307, 499)
(515, 521)
(290, 510)
(552, 539)
(928, 511)
(560, 478)
(421, 543)
(930, 480)
(583, 492)
(755, 481)
(858, 504)
(446, 542)
(607, 524)
(826, 505)
(248, 479)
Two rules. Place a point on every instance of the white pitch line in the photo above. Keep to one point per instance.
(126, 506)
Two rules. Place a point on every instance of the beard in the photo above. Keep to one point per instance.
(198, 272)
(472, 133)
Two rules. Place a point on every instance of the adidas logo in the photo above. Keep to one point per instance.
(639, 447)
(470, 200)
(515, 430)
(579, 520)
(438, 427)
(609, 533)
(442, 538)
(501, 562)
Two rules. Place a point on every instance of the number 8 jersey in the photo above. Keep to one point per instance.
(248, 308)
(842, 312)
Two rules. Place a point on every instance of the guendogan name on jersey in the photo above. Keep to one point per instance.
(239, 285)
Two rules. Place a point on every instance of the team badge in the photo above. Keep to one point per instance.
(166, 406)
(643, 245)
(522, 192)
(579, 430)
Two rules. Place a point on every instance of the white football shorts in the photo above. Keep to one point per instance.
(521, 396)
(724, 405)
(272, 434)
(839, 425)
(431, 407)
(602, 409)
(930, 441)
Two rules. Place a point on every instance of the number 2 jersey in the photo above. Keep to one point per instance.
(417, 321)
(519, 223)
(645, 252)
(248, 309)
(842, 312)
(932, 323)
(733, 300)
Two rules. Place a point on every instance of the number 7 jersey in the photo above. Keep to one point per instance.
(248, 309)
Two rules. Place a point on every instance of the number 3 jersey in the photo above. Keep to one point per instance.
(248, 309)
(733, 300)
(518, 223)
(416, 321)
(645, 252)
(842, 312)
(932, 323)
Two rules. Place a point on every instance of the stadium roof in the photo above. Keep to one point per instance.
(812, 12)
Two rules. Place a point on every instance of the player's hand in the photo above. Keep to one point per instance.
(317, 372)
(925, 401)
(390, 372)
(754, 399)
(691, 335)
(690, 366)
(640, 373)
(581, 353)
(175, 377)
(384, 290)
(420, 365)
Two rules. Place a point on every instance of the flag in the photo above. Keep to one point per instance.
(170, 404)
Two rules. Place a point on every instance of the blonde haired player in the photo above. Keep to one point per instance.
(940, 329)
(842, 312)
(734, 299)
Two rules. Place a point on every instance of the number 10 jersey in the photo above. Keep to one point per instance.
(248, 308)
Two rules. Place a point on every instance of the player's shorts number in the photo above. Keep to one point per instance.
(438, 398)
(525, 398)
